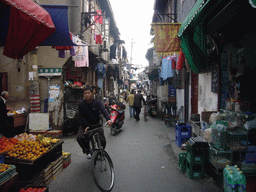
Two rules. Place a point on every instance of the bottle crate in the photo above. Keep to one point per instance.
(197, 150)
(197, 155)
(219, 158)
(183, 130)
(236, 140)
(182, 162)
(180, 140)
(10, 172)
(195, 170)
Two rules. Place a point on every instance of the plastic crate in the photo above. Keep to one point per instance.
(180, 140)
(1, 159)
(195, 170)
(250, 155)
(8, 173)
(183, 130)
(236, 140)
(248, 168)
(195, 155)
(54, 133)
(219, 158)
(182, 162)
(35, 132)
(217, 175)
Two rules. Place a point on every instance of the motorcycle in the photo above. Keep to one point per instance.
(117, 115)
(152, 107)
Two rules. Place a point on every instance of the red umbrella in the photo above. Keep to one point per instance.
(29, 25)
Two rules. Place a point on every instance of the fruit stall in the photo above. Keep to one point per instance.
(29, 162)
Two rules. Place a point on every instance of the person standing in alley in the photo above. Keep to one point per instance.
(3, 112)
(130, 100)
(138, 98)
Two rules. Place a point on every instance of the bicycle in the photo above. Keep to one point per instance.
(102, 166)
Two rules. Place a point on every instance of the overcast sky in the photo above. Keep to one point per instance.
(133, 19)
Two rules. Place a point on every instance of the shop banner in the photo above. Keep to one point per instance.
(166, 38)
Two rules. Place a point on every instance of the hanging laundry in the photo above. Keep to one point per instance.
(98, 17)
(85, 61)
(173, 64)
(181, 61)
(166, 70)
(98, 39)
(101, 70)
(79, 50)
(113, 51)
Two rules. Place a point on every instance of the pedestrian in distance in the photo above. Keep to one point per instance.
(89, 111)
(138, 98)
(130, 101)
(3, 113)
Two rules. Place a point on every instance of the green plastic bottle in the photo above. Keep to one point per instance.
(241, 182)
(225, 177)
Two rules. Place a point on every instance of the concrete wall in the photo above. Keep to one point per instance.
(207, 100)
(17, 77)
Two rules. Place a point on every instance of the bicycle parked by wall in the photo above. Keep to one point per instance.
(102, 166)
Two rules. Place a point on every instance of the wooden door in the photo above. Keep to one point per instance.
(194, 93)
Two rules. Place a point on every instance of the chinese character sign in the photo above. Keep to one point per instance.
(166, 37)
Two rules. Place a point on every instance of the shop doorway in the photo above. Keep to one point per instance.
(194, 93)
(3, 82)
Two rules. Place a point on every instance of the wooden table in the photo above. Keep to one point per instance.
(17, 120)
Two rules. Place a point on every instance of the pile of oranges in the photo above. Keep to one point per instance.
(4, 167)
(7, 144)
(29, 150)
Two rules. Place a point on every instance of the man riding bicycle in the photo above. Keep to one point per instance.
(89, 112)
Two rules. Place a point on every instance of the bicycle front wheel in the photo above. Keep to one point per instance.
(103, 171)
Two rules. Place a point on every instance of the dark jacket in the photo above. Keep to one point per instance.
(3, 110)
(138, 98)
(3, 117)
(89, 113)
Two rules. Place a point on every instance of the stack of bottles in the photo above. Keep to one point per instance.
(234, 179)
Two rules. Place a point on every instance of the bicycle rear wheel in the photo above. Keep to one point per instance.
(103, 170)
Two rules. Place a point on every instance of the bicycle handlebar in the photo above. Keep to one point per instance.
(99, 126)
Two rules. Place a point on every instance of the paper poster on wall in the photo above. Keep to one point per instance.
(54, 93)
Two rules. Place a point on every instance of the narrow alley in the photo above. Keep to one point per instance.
(143, 160)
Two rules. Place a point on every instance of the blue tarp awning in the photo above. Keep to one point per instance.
(59, 15)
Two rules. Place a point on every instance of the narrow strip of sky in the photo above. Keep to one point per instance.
(133, 19)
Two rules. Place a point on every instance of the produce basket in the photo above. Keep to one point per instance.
(7, 174)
